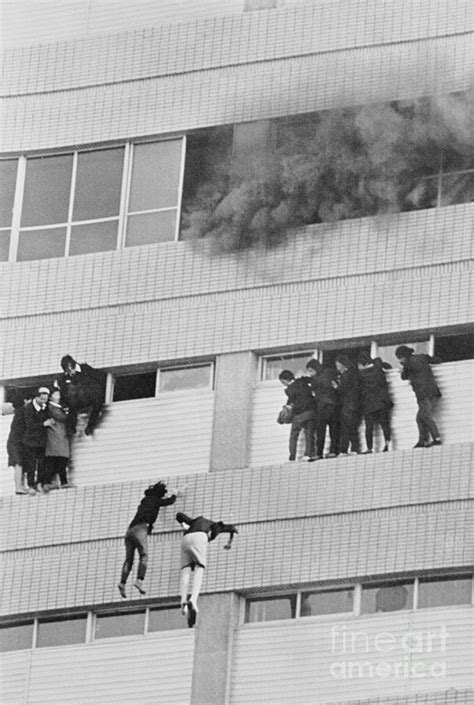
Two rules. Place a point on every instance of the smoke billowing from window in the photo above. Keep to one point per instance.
(325, 167)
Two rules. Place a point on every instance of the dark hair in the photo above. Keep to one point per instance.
(67, 360)
(403, 351)
(156, 490)
(364, 358)
(286, 374)
(313, 365)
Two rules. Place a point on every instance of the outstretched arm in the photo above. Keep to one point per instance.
(221, 528)
(184, 519)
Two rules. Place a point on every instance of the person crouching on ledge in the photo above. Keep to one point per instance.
(198, 533)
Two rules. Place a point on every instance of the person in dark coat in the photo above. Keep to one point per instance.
(348, 386)
(327, 407)
(417, 369)
(82, 389)
(33, 440)
(14, 450)
(375, 398)
(198, 533)
(301, 399)
(136, 537)
(58, 446)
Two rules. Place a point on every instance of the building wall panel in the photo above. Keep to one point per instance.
(14, 676)
(299, 662)
(253, 91)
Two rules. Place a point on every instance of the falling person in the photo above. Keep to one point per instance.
(198, 533)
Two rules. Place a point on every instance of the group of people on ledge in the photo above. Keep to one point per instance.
(338, 398)
(39, 442)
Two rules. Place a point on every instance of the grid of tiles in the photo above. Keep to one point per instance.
(275, 493)
(228, 41)
(275, 317)
(237, 94)
(444, 697)
(384, 245)
(266, 554)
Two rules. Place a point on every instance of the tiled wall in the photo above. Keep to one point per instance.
(358, 516)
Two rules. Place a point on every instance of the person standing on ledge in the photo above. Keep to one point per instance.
(136, 537)
(198, 533)
(417, 369)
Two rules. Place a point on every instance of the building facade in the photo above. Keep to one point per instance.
(351, 578)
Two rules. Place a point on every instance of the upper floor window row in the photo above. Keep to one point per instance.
(91, 200)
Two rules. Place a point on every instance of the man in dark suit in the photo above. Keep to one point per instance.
(300, 398)
(82, 389)
(33, 440)
(417, 369)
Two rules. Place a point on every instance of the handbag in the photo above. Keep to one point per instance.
(285, 415)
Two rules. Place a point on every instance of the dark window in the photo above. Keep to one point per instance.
(14, 393)
(57, 632)
(14, 637)
(7, 191)
(387, 597)
(93, 237)
(4, 245)
(326, 602)
(47, 190)
(41, 244)
(295, 362)
(455, 347)
(268, 609)
(165, 618)
(119, 624)
(436, 592)
(329, 356)
(139, 386)
(98, 184)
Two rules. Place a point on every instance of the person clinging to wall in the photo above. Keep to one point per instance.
(417, 370)
(14, 448)
(58, 446)
(141, 526)
(198, 533)
(302, 402)
(375, 398)
(33, 440)
(348, 387)
(82, 389)
(327, 407)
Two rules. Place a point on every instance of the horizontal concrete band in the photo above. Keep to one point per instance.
(332, 488)
(291, 552)
(288, 86)
(227, 41)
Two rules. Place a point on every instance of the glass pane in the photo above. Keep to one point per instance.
(267, 610)
(388, 597)
(387, 352)
(295, 363)
(167, 618)
(16, 637)
(455, 347)
(98, 184)
(7, 190)
(4, 245)
(135, 386)
(155, 175)
(185, 378)
(62, 631)
(436, 592)
(151, 228)
(47, 190)
(94, 237)
(326, 602)
(457, 188)
(119, 624)
(329, 356)
(41, 244)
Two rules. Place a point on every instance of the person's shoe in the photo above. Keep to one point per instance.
(367, 452)
(31, 491)
(121, 588)
(21, 491)
(291, 460)
(139, 585)
(192, 614)
(40, 489)
(68, 486)
(305, 458)
(316, 457)
(331, 455)
(386, 448)
(437, 442)
(47, 488)
(420, 445)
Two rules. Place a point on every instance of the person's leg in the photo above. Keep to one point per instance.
(425, 412)
(333, 420)
(345, 431)
(18, 478)
(384, 420)
(196, 589)
(141, 537)
(41, 477)
(321, 434)
(94, 416)
(184, 586)
(29, 468)
(62, 471)
(369, 431)
(50, 469)
(354, 433)
(294, 433)
(130, 546)
(309, 432)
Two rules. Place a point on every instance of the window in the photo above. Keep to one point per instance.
(454, 347)
(134, 386)
(174, 379)
(326, 602)
(387, 597)
(15, 637)
(329, 356)
(164, 619)
(119, 624)
(274, 364)
(92, 200)
(58, 632)
(267, 609)
(437, 592)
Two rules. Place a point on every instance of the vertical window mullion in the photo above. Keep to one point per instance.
(109, 388)
(71, 203)
(298, 605)
(180, 188)
(17, 205)
(157, 383)
(146, 622)
(357, 599)
(35, 634)
(416, 586)
(125, 195)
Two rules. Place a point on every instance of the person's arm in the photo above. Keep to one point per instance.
(220, 528)
(166, 501)
(434, 360)
(183, 518)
